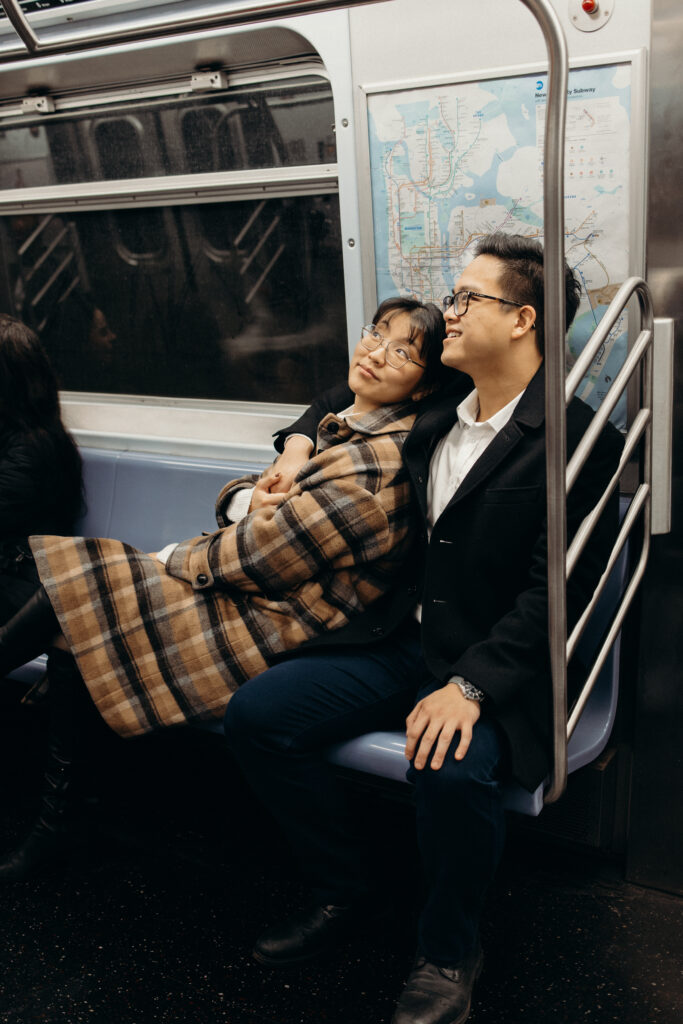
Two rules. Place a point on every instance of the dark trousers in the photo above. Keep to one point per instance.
(278, 726)
(19, 578)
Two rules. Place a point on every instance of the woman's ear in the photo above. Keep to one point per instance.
(421, 393)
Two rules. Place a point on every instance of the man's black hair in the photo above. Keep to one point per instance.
(521, 277)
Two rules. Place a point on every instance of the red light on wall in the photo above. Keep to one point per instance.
(589, 6)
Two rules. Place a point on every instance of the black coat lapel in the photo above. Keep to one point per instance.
(432, 423)
(501, 446)
(530, 412)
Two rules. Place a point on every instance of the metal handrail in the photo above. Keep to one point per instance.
(607, 407)
(635, 508)
(555, 413)
(237, 14)
(617, 622)
(583, 534)
(600, 335)
(640, 506)
(558, 394)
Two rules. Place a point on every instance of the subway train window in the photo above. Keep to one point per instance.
(119, 146)
(239, 300)
(282, 124)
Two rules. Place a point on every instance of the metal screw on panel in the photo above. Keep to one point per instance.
(345, 122)
(351, 242)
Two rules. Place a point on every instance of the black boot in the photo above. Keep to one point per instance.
(49, 838)
(28, 633)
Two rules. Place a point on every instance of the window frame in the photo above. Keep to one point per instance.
(195, 426)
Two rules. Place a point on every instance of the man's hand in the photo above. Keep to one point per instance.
(436, 719)
(298, 450)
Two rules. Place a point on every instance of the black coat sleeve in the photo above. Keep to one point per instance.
(517, 645)
(333, 400)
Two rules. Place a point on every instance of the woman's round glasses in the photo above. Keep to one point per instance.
(397, 352)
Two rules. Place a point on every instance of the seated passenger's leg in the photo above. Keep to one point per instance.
(28, 633)
(461, 828)
(278, 726)
(17, 584)
(48, 838)
(461, 832)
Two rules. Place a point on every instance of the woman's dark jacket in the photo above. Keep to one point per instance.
(40, 489)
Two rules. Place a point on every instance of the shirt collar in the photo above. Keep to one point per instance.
(468, 410)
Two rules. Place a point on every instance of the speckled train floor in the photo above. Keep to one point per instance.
(176, 873)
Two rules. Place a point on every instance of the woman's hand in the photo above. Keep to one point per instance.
(435, 720)
(298, 450)
(266, 491)
(271, 487)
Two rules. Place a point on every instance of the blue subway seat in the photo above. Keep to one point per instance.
(151, 500)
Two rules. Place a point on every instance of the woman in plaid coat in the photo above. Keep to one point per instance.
(159, 642)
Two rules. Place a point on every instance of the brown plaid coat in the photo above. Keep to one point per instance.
(160, 645)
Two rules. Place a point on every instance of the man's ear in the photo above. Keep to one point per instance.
(524, 322)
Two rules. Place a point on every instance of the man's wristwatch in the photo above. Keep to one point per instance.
(468, 690)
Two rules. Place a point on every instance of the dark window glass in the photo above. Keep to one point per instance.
(286, 124)
(240, 301)
(119, 148)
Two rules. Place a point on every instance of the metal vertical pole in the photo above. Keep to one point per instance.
(555, 408)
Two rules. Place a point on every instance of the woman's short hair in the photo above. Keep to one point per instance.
(426, 328)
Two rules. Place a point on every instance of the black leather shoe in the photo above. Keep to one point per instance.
(306, 935)
(439, 995)
(41, 849)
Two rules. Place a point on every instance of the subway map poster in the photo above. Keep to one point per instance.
(452, 162)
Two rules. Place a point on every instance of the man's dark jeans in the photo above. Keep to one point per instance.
(278, 726)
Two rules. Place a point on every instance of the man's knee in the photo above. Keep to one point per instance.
(248, 716)
(482, 766)
(265, 712)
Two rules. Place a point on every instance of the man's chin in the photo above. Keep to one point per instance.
(451, 360)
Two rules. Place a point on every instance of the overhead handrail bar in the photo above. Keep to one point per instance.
(21, 25)
(582, 535)
(238, 13)
(607, 407)
(602, 331)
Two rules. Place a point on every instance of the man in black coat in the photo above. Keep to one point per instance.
(461, 647)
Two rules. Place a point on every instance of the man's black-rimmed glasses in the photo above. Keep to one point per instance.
(461, 300)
